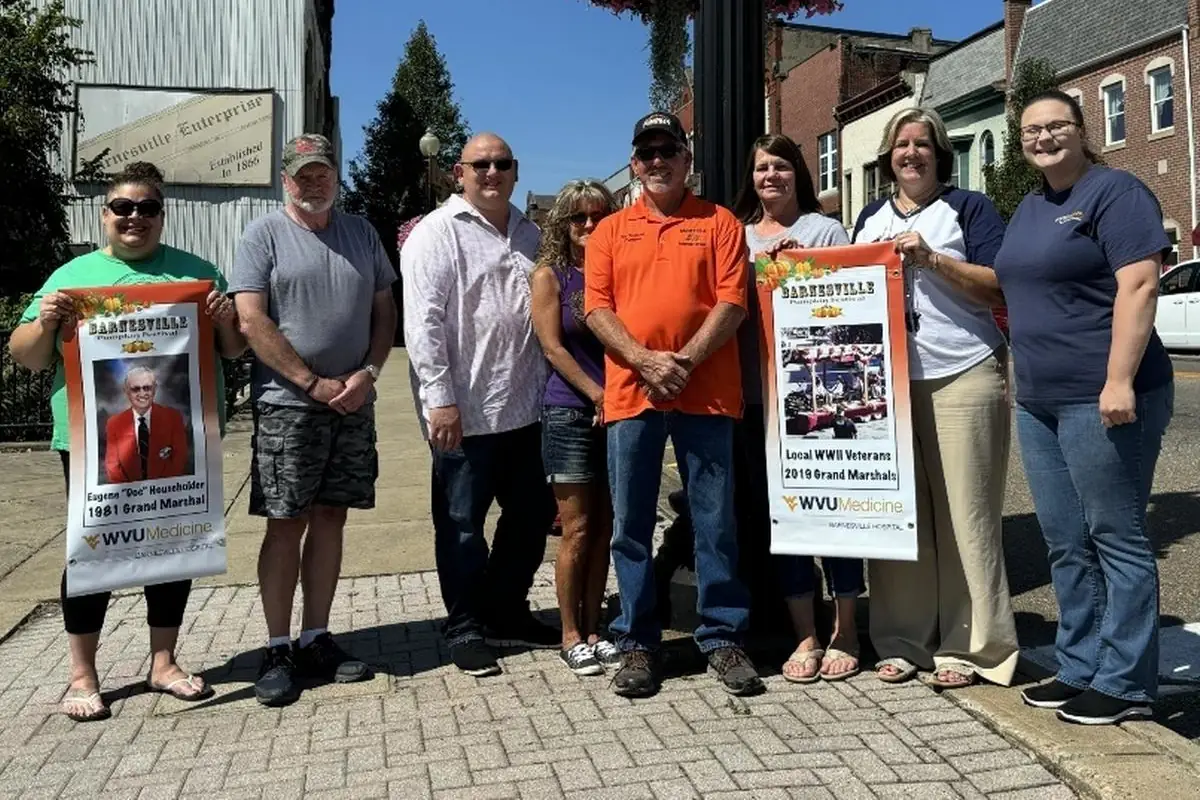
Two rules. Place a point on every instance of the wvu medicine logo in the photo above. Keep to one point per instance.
(792, 502)
(92, 540)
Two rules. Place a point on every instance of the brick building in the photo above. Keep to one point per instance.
(814, 70)
(1130, 66)
(810, 70)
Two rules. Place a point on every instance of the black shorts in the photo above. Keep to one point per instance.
(311, 456)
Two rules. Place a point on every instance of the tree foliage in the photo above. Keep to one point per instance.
(36, 58)
(388, 183)
(1011, 177)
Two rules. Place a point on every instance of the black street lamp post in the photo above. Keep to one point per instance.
(730, 110)
(730, 115)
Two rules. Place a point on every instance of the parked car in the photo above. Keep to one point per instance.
(1178, 317)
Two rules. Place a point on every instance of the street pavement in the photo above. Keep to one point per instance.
(1174, 520)
(421, 729)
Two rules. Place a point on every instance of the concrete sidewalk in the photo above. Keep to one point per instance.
(421, 729)
(394, 537)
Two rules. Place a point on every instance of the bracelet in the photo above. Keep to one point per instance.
(936, 262)
(311, 384)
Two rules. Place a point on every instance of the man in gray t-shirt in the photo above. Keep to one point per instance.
(313, 291)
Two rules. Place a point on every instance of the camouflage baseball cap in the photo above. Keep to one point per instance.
(308, 148)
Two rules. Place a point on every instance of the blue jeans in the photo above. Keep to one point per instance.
(477, 587)
(704, 450)
(1090, 486)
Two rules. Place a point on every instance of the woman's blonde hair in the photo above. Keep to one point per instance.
(555, 248)
(943, 150)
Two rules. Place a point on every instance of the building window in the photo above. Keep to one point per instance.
(827, 151)
(960, 173)
(1114, 112)
(1162, 100)
(987, 149)
(1172, 257)
(870, 182)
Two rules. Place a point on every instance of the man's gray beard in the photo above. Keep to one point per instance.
(311, 207)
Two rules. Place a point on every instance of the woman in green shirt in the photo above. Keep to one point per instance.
(133, 223)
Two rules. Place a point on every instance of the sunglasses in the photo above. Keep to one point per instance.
(124, 207)
(141, 389)
(582, 217)
(483, 164)
(647, 154)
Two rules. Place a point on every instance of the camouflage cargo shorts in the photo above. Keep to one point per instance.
(311, 456)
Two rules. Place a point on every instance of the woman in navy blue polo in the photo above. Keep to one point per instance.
(1079, 269)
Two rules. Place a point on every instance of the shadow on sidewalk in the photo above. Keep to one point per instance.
(1173, 516)
(1178, 705)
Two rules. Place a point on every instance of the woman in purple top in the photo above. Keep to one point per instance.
(573, 436)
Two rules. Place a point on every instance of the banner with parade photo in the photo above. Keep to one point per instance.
(146, 502)
(835, 378)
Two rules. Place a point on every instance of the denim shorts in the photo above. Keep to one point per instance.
(574, 450)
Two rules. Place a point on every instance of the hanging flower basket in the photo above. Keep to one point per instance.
(783, 8)
(669, 38)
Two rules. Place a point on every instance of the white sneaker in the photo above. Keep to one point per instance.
(607, 653)
(581, 660)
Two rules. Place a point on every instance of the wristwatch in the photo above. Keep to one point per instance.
(372, 370)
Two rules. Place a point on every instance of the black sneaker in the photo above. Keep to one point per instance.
(324, 660)
(636, 676)
(1050, 695)
(522, 628)
(1094, 708)
(474, 657)
(735, 671)
(581, 660)
(276, 684)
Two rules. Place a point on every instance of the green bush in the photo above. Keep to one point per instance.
(11, 309)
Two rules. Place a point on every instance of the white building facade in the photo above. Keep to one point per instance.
(208, 91)
(864, 120)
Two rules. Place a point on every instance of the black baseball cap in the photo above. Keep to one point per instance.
(659, 122)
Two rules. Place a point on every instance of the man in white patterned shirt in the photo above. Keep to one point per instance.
(480, 372)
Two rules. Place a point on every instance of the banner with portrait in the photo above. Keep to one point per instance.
(146, 500)
(835, 382)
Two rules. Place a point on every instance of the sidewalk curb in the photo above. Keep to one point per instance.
(1104, 762)
(24, 447)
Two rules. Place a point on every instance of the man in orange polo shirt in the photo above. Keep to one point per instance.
(666, 290)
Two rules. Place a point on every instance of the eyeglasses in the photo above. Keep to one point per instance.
(141, 389)
(484, 164)
(124, 207)
(582, 217)
(666, 151)
(1058, 127)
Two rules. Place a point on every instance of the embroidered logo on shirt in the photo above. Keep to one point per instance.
(1074, 216)
(693, 237)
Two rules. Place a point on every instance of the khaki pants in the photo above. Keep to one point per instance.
(952, 606)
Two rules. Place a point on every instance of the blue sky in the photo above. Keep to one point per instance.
(561, 80)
